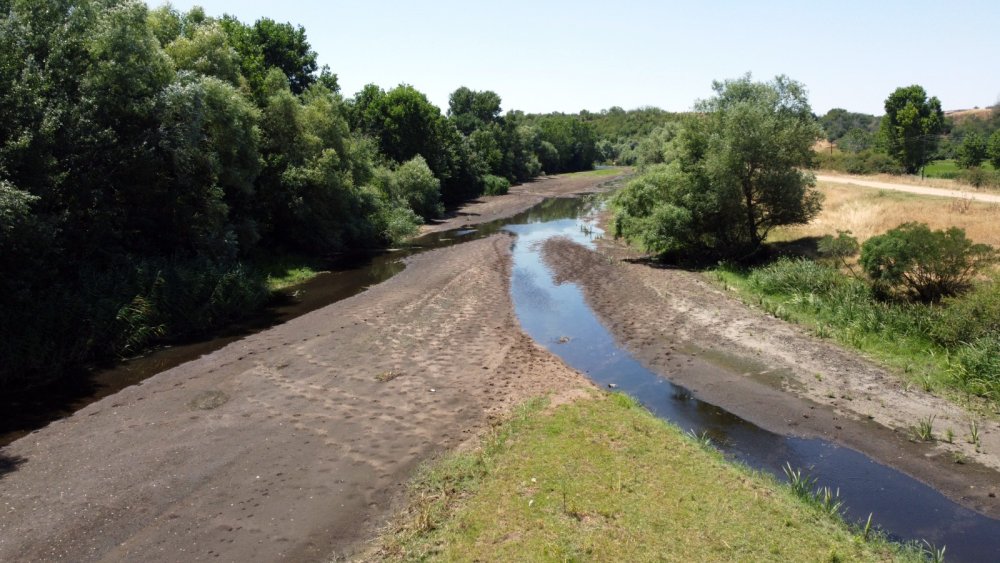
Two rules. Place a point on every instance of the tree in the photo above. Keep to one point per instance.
(910, 125)
(206, 51)
(737, 174)
(993, 149)
(924, 264)
(856, 140)
(471, 110)
(973, 150)
(838, 122)
(268, 44)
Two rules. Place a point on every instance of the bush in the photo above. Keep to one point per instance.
(495, 185)
(923, 264)
(116, 312)
(790, 276)
(967, 318)
(977, 367)
(864, 162)
(978, 177)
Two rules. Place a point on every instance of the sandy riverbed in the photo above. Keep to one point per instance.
(294, 443)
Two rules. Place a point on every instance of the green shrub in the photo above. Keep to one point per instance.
(923, 264)
(790, 276)
(117, 311)
(977, 177)
(495, 185)
(864, 162)
(967, 318)
(977, 366)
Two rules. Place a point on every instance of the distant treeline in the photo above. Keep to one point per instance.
(148, 158)
(865, 142)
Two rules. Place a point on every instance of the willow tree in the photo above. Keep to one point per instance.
(738, 174)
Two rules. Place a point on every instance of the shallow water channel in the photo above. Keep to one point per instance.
(905, 508)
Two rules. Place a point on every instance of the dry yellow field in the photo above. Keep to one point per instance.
(867, 212)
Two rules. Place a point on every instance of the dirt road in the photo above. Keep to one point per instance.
(922, 190)
(291, 444)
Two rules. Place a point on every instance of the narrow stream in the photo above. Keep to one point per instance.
(902, 506)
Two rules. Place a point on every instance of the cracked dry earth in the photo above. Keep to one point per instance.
(774, 373)
(292, 444)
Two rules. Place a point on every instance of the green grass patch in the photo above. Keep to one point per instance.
(947, 346)
(948, 169)
(602, 479)
(942, 169)
(600, 172)
(287, 270)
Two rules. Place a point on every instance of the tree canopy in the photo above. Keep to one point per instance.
(149, 158)
(910, 126)
(736, 175)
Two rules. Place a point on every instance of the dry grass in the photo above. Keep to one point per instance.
(959, 115)
(868, 212)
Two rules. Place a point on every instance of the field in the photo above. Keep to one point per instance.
(868, 212)
(947, 169)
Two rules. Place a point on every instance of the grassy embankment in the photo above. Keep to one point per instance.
(953, 347)
(598, 173)
(602, 479)
(285, 271)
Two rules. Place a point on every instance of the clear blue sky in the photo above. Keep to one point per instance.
(543, 56)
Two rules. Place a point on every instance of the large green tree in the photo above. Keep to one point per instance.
(471, 110)
(910, 126)
(738, 174)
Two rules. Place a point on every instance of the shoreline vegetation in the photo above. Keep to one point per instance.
(196, 154)
(601, 478)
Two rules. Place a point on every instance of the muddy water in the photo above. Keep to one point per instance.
(904, 507)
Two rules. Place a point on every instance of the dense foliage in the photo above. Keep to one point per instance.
(148, 158)
(735, 174)
(839, 124)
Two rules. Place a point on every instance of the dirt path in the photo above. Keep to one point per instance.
(922, 190)
(520, 198)
(773, 373)
(291, 444)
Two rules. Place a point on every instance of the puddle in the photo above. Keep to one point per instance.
(558, 317)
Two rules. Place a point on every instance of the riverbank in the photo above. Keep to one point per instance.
(525, 196)
(774, 374)
(289, 444)
(602, 479)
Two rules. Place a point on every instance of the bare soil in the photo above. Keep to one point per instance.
(291, 444)
(776, 374)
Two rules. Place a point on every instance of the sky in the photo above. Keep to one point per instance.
(542, 56)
